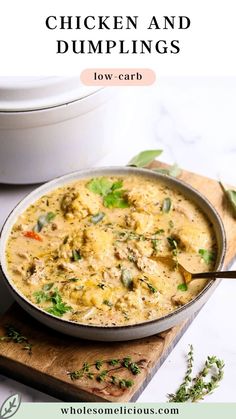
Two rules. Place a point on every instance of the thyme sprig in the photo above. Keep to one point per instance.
(194, 389)
(15, 335)
(103, 375)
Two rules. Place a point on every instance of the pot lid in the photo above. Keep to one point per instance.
(31, 93)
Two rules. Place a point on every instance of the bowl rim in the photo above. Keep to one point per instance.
(60, 181)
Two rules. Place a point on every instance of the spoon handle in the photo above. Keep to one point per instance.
(218, 274)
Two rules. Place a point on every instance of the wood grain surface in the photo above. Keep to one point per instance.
(54, 355)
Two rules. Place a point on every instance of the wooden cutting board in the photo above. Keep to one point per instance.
(53, 354)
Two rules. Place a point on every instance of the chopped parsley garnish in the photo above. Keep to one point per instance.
(207, 255)
(58, 307)
(112, 193)
(41, 296)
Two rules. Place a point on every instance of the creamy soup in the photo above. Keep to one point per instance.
(105, 251)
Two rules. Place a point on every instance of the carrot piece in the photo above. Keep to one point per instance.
(33, 235)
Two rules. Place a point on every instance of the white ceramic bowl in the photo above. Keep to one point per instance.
(116, 333)
(51, 126)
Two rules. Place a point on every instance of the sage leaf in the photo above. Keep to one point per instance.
(231, 197)
(43, 220)
(126, 279)
(10, 406)
(173, 171)
(144, 158)
(166, 206)
(97, 217)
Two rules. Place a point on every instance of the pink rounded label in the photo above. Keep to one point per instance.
(118, 76)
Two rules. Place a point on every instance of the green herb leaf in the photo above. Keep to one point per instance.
(231, 197)
(208, 379)
(108, 303)
(144, 158)
(114, 362)
(151, 288)
(173, 171)
(113, 195)
(117, 185)
(85, 367)
(172, 243)
(15, 335)
(171, 224)
(126, 383)
(115, 199)
(160, 231)
(73, 279)
(76, 255)
(134, 368)
(101, 377)
(43, 220)
(97, 217)
(155, 244)
(101, 186)
(127, 361)
(47, 287)
(58, 306)
(207, 255)
(41, 296)
(166, 205)
(126, 278)
(98, 364)
(113, 380)
(75, 375)
(182, 287)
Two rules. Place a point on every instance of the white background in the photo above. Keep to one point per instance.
(27, 47)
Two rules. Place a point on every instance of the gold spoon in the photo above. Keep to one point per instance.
(188, 276)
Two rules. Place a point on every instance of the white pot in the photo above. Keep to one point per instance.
(50, 126)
